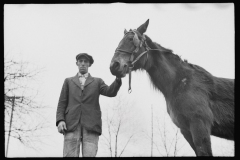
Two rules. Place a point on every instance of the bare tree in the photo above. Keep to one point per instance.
(166, 136)
(120, 131)
(169, 138)
(22, 117)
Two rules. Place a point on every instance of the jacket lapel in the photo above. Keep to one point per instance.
(76, 81)
(88, 80)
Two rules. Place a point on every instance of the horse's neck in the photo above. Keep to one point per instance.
(163, 72)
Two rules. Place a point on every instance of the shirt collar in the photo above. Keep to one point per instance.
(81, 75)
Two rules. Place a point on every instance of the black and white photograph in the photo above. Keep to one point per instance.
(119, 79)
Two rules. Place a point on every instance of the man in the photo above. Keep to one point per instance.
(78, 111)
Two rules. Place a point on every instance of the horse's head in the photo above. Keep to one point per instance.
(129, 52)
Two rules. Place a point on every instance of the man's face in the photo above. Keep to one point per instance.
(83, 64)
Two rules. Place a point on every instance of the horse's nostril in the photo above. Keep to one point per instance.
(115, 65)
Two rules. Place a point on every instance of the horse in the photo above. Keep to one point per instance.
(198, 103)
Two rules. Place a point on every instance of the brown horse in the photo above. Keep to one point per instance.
(199, 103)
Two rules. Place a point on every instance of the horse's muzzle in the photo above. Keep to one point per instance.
(114, 67)
(117, 70)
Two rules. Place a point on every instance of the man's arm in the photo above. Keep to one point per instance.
(119, 80)
(110, 91)
(62, 103)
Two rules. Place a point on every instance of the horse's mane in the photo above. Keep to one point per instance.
(169, 52)
(203, 78)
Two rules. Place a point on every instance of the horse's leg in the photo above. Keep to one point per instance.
(201, 137)
(187, 135)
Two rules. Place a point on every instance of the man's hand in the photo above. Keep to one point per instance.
(62, 127)
(118, 79)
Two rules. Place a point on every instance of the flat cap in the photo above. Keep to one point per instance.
(86, 56)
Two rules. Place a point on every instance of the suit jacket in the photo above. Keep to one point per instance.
(76, 105)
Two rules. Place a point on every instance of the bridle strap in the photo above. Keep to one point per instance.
(121, 50)
(132, 56)
(133, 62)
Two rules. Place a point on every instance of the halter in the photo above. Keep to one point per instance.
(138, 44)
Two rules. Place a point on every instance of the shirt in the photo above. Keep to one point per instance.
(82, 79)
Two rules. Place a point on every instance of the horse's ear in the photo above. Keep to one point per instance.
(125, 31)
(142, 29)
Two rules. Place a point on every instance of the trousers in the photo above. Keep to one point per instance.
(80, 137)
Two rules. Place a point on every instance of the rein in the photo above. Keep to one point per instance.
(138, 44)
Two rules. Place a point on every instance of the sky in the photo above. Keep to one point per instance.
(51, 35)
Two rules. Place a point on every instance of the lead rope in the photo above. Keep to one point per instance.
(130, 89)
(130, 73)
